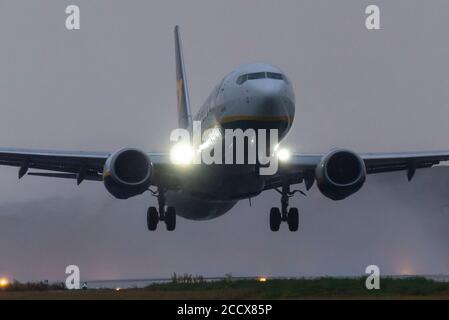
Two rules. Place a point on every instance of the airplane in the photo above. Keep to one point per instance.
(253, 96)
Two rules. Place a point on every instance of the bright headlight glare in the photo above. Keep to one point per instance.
(283, 155)
(181, 154)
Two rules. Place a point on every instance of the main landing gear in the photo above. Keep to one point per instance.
(291, 216)
(166, 214)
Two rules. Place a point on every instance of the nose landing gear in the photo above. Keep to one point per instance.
(291, 216)
(166, 214)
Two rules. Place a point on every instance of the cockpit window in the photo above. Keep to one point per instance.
(242, 79)
(257, 75)
(273, 75)
(260, 75)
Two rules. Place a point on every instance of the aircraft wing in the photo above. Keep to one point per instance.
(59, 164)
(79, 165)
(82, 165)
(409, 161)
(301, 166)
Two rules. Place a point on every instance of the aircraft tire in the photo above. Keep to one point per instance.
(152, 218)
(293, 219)
(275, 219)
(170, 218)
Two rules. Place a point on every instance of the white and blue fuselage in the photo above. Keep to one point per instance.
(254, 96)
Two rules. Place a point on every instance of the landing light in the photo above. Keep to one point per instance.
(181, 154)
(283, 155)
(262, 279)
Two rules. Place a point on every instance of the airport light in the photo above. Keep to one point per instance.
(4, 282)
(283, 155)
(181, 154)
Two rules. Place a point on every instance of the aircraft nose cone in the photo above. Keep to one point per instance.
(268, 89)
(268, 97)
(271, 103)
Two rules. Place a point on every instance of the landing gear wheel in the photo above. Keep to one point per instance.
(293, 219)
(152, 218)
(275, 219)
(170, 218)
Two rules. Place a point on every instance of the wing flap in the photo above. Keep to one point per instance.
(64, 175)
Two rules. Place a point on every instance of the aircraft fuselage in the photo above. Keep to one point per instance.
(254, 96)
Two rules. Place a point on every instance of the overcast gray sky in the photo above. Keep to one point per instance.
(112, 84)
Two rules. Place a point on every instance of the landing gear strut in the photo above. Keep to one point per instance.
(166, 214)
(291, 216)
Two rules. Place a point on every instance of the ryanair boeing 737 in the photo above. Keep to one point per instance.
(254, 96)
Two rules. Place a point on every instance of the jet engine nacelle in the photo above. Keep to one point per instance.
(127, 173)
(340, 173)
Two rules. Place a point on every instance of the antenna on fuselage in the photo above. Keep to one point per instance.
(182, 91)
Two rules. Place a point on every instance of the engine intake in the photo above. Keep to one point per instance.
(340, 174)
(127, 173)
